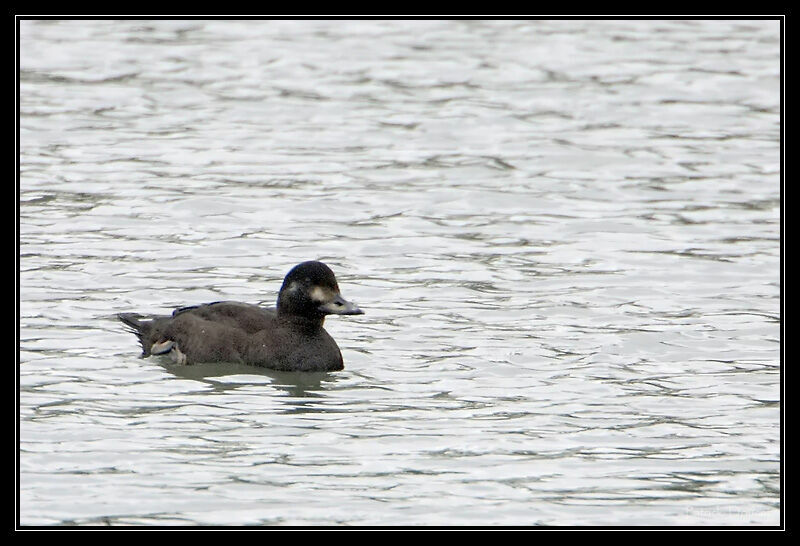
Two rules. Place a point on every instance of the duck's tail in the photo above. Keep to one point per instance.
(145, 330)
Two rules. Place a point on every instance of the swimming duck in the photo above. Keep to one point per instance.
(289, 337)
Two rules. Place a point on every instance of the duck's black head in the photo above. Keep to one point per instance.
(310, 291)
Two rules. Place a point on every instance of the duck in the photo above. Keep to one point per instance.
(289, 337)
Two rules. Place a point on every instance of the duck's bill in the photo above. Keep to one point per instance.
(340, 306)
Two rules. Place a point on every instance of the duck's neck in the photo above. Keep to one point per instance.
(306, 323)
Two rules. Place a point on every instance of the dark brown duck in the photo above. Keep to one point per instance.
(290, 337)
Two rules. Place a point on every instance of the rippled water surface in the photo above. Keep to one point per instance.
(565, 235)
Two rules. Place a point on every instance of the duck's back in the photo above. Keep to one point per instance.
(243, 316)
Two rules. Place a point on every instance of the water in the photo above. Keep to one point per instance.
(565, 235)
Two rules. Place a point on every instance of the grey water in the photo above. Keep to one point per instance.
(565, 235)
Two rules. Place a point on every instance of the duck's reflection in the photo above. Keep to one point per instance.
(304, 391)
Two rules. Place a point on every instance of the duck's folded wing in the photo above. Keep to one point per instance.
(243, 316)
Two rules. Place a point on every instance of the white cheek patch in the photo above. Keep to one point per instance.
(320, 294)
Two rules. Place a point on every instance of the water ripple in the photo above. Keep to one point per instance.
(565, 235)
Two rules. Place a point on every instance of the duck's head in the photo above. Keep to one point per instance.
(310, 290)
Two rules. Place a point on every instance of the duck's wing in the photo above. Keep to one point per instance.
(242, 316)
(211, 331)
